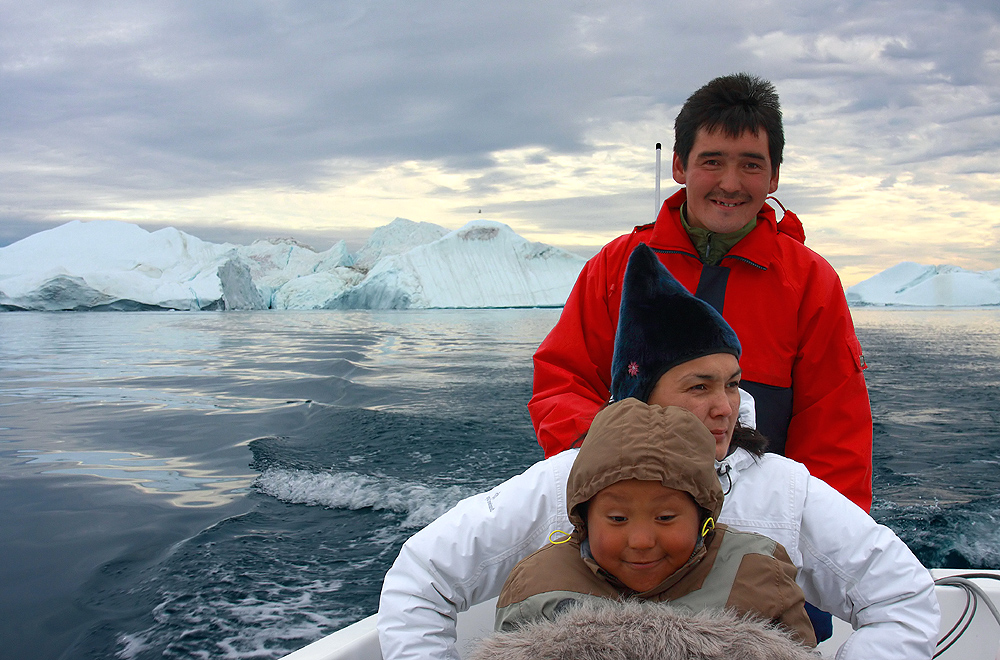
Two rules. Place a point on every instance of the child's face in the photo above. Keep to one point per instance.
(641, 531)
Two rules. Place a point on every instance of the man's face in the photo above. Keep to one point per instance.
(727, 179)
(641, 531)
(709, 387)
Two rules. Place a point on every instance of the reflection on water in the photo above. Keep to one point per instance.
(253, 361)
(185, 483)
(236, 484)
(934, 383)
(128, 437)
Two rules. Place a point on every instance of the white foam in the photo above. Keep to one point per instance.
(249, 628)
(350, 490)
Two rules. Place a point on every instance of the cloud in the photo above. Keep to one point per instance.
(308, 116)
(161, 94)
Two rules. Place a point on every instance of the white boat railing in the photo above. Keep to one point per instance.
(969, 613)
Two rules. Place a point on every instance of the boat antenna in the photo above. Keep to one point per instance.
(656, 211)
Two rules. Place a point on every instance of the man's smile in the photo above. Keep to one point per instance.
(729, 203)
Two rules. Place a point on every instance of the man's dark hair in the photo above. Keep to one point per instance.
(735, 104)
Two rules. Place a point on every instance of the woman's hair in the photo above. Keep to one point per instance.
(749, 438)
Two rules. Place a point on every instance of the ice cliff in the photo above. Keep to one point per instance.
(399, 236)
(913, 285)
(108, 265)
(483, 264)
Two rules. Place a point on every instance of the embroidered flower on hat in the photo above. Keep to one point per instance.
(633, 369)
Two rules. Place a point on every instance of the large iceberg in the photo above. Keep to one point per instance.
(914, 285)
(399, 236)
(275, 264)
(109, 265)
(483, 264)
(117, 265)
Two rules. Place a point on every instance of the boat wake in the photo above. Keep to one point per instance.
(350, 490)
(960, 535)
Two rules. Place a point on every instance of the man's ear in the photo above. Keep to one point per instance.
(774, 180)
(678, 171)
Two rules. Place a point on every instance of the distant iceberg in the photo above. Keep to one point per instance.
(110, 265)
(914, 285)
(483, 264)
(117, 266)
(277, 263)
(399, 236)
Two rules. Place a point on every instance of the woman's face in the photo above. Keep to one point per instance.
(709, 387)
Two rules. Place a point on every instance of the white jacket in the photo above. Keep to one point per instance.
(848, 565)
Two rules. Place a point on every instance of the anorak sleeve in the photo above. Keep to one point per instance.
(831, 426)
(765, 585)
(861, 572)
(464, 557)
(573, 363)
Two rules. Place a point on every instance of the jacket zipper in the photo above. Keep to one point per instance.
(745, 260)
(695, 255)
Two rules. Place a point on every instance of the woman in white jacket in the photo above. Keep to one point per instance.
(671, 349)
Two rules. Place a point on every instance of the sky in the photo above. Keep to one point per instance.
(323, 120)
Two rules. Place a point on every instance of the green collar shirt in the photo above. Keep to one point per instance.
(712, 246)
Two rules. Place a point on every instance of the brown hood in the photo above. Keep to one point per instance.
(632, 440)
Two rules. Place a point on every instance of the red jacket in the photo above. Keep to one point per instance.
(801, 359)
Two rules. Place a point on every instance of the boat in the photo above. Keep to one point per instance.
(970, 624)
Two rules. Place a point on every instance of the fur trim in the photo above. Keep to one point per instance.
(642, 631)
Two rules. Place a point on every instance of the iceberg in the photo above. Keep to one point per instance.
(111, 265)
(316, 290)
(276, 262)
(483, 264)
(117, 266)
(914, 285)
(399, 236)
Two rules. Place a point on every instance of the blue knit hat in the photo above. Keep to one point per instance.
(661, 325)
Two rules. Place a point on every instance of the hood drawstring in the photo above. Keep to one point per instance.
(723, 471)
(566, 537)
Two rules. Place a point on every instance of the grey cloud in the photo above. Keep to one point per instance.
(804, 200)
(597, 213)
(204, 94)
(13, 229)
(155, 100)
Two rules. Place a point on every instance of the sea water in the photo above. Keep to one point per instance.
(234, 485)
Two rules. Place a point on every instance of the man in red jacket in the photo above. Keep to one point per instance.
(802, 361)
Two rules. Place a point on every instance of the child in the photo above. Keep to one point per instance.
(643, 497)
